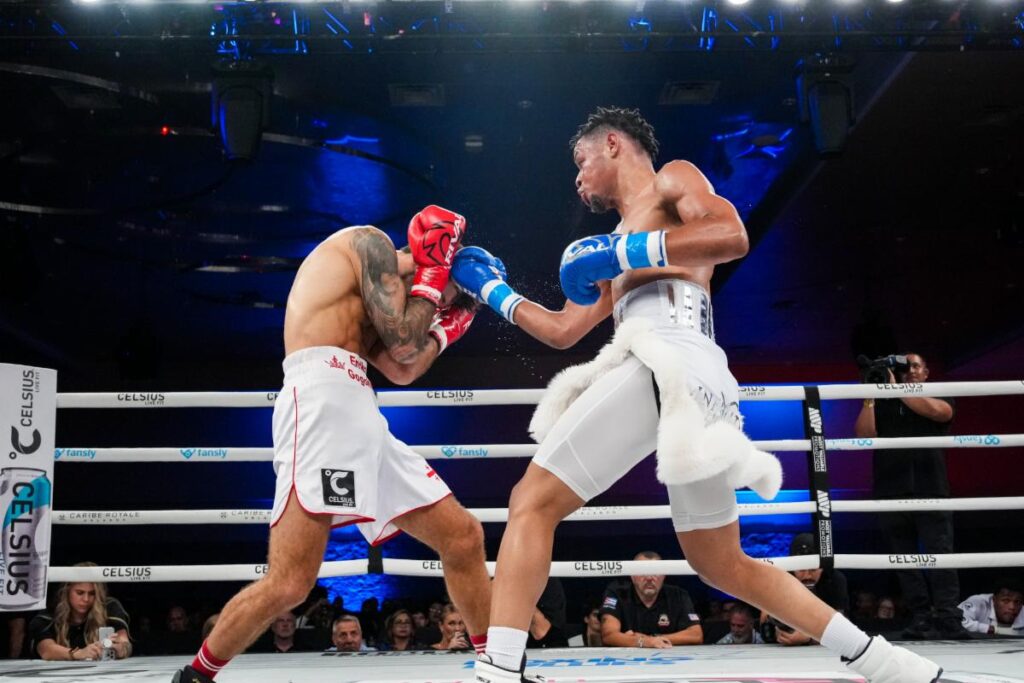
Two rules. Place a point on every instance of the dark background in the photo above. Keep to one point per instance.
(134, 256)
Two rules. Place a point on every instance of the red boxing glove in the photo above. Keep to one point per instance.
(434, 236)
(450, 324)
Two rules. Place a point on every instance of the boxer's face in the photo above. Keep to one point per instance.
(595, 178)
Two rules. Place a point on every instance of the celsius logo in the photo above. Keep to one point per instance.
(144, 399)
(455, 395)
(339, 487)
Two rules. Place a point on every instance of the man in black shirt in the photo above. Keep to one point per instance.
(644, 612)
(916, 473)
(828, 584)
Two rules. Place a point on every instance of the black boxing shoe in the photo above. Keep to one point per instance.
(190, 675)
(951, 628)
(920, 629)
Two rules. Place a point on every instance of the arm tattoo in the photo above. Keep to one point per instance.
(400, 320)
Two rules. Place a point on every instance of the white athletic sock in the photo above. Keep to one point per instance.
(843, 637)
(505, 646)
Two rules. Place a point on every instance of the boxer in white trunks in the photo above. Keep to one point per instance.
(653, 274)
(357, 301)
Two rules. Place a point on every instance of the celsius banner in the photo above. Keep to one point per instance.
(28, 412)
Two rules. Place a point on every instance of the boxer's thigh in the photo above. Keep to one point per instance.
(611, 427)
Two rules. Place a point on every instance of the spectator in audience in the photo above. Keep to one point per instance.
(15, 623)
(282, 632)
(71, 631)
(317, 612)
(347, 635)
(369, 617)
(715, 611)
(828, 584)
(865, 606)
(399, 633)
(886, 609)
(431, 632)
(591, 636)
(453, 630)
(644, 612)
(547, 625)
(178, 637)
(742, 623)
(419, 620)
(208, 625)
(996, 613)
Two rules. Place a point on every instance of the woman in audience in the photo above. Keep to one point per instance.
(399, 633)
(72, 631)
(453, 630)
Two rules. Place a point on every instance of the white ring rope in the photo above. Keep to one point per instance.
(585, 514)
(493, 397)
(522, 450)
(581, 568)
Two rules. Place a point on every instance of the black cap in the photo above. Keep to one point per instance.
(803, 544)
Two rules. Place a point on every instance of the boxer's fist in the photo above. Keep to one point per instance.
(434, 235)
(450, 324)
(482, 275)
(587, 261)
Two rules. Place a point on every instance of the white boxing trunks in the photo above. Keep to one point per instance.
(333, 447)
(613, 425)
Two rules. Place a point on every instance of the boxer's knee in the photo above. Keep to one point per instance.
(465, 542)
(289, 586)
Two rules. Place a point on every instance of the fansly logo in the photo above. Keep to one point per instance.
(74, 453)
(208, 453)
(463, 452)
(339, 487)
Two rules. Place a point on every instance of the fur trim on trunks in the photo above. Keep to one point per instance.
(688, 451)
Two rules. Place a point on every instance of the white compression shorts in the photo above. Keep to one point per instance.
(613, 425)
(333, 447)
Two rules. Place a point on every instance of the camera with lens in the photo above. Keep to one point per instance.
(877, 371)
(770, 629)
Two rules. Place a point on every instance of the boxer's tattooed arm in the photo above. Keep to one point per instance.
(401, 321)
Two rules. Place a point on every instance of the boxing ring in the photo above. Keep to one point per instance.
(965, 662)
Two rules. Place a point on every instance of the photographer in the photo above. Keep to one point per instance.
(914, 473)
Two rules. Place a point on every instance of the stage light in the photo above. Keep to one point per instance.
(240, 105)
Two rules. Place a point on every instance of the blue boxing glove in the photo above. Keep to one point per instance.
(481, 274)
(587, 261)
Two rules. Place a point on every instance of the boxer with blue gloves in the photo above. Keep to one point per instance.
(598, 420)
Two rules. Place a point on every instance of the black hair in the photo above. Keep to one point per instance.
(1009, 583)
(628, 121)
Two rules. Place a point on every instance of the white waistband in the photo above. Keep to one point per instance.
(319, 358)
(677, 302)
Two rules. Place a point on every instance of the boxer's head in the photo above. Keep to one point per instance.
(610, 138)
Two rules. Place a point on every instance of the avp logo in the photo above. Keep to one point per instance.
(824, 504)
(814, 417)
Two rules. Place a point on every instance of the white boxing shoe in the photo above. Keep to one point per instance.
(882, 662)
(488, 672)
